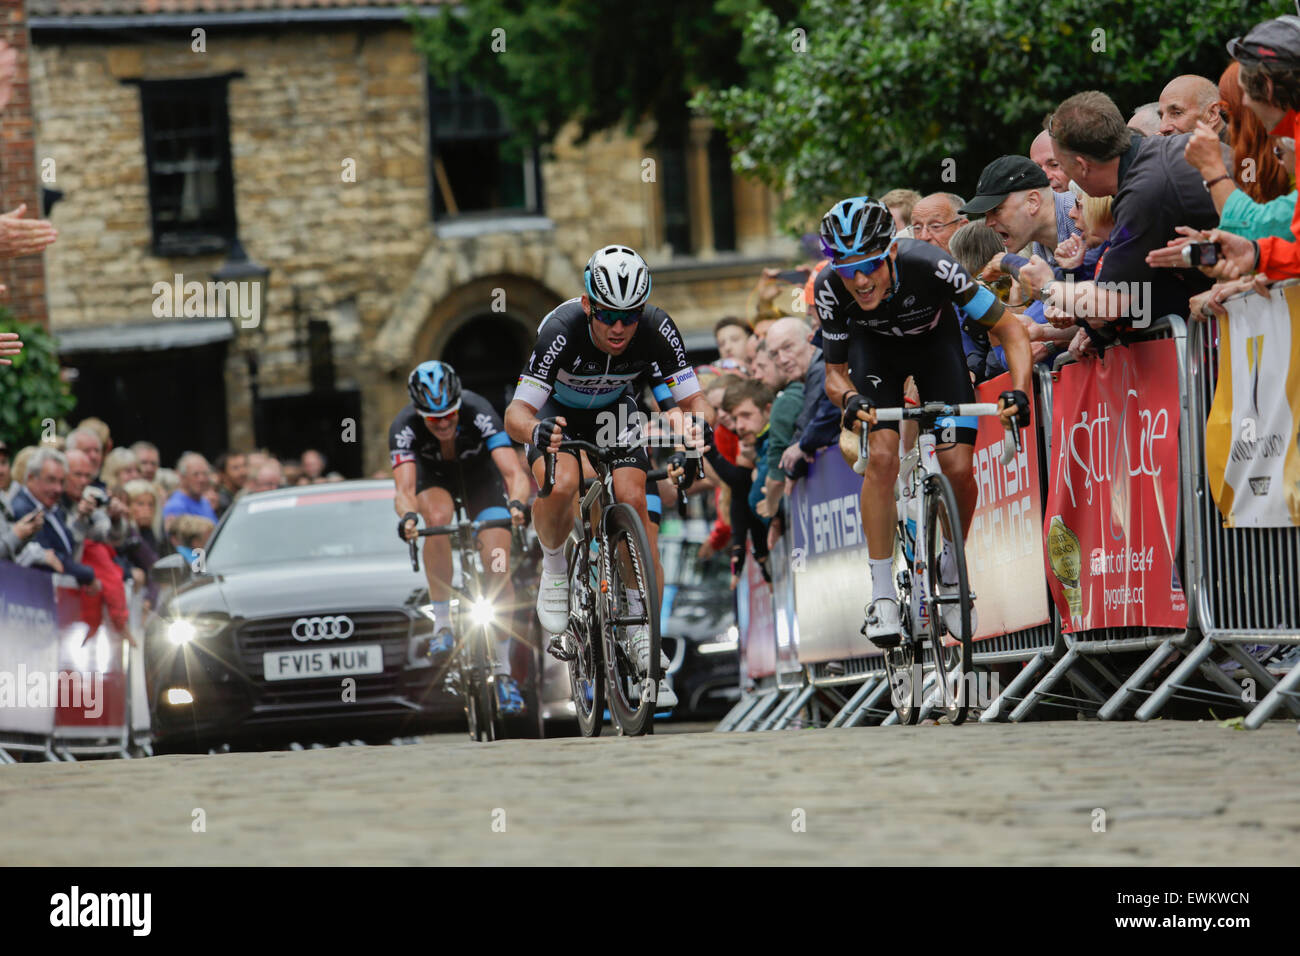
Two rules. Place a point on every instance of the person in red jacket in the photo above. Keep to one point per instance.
(112, 594)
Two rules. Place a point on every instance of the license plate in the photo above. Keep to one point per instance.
(298, 664)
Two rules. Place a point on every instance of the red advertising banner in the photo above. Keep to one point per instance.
(1004, 548)
(1111, 525)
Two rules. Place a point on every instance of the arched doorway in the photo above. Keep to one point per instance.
(487, 352)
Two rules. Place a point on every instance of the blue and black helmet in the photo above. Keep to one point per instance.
(856, 227)
(434, 388)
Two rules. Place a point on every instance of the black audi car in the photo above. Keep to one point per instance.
(303, 620)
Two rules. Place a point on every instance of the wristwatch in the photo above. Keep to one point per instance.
(1207, 183)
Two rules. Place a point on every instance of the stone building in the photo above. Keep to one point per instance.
(298, 149)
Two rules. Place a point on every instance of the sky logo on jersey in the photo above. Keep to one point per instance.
(952, 273)
(826, 302)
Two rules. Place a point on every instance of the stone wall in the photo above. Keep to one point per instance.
(24, 278)
(362, 254)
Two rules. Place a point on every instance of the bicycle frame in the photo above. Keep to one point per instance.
(918, 469)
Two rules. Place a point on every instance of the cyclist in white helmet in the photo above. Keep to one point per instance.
(589, 350)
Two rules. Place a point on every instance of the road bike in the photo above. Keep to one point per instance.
(608, 554)
(927, 515)
(471, 671)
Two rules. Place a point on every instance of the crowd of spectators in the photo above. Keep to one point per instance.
(104, 515)
(1080, 237)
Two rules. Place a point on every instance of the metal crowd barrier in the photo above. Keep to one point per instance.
(1243, 583)
(61, 729)
(1092, 646)
(1242, 587)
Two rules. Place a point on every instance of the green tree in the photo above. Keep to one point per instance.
(924, 93)
(31, 389)
(603, 63)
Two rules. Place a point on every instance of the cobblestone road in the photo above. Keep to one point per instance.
(1172, 793)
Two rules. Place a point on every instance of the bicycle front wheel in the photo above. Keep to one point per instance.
(627, 565)
(586, 683)
(950, 606)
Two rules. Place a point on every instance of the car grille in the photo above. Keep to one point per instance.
(389, 629)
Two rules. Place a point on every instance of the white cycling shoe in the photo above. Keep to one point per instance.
(882, 627)
(639, 644)
(553, 602)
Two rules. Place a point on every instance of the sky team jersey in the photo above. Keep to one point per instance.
(566, 362)
(479, 432)
(932, 288)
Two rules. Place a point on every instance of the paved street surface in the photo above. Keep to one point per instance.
(1172, 793)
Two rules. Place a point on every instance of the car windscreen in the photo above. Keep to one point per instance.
(349, 522)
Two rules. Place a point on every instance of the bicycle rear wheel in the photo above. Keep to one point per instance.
(953, 660)
(627, 549)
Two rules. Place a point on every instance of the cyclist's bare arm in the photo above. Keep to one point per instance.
(1015, 343)
(838, 385)
(521, 420)
(404, 479)
(518, 484)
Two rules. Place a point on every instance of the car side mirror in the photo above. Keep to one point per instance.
(171, 571)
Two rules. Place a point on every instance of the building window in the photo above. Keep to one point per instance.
(721, 198)
(473, 166)
(676, 197)
(187, 148)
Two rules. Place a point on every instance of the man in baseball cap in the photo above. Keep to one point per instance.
(1019, 204)
(1275, 41)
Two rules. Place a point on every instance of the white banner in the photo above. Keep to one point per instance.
(1252, 451)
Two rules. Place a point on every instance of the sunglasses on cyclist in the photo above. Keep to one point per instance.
(436, 419)
(614, 316)
(866, 266)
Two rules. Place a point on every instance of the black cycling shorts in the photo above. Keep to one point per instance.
(880, 364)
(600, 426)
(484, 488)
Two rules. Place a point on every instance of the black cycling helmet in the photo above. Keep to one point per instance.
(855, 227)
(434, 388)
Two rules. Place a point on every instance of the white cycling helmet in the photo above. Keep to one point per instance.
(617, 277)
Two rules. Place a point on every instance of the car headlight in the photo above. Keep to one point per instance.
(183, 630)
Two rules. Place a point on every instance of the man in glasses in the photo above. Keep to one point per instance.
(891, 308)
(936, 217)
(589, 350)
(443, 430)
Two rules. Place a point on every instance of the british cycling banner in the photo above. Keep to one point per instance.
(1252, 449)
(1004, 548)
(1112, 510)
(29, 651)
(828, 558)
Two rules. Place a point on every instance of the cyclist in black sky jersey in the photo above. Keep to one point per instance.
(890, 308)
(443, 430)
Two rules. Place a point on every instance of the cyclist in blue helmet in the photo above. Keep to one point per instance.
(892, 308)
(446, 427)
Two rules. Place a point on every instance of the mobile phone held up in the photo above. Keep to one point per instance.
(1202, 253)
